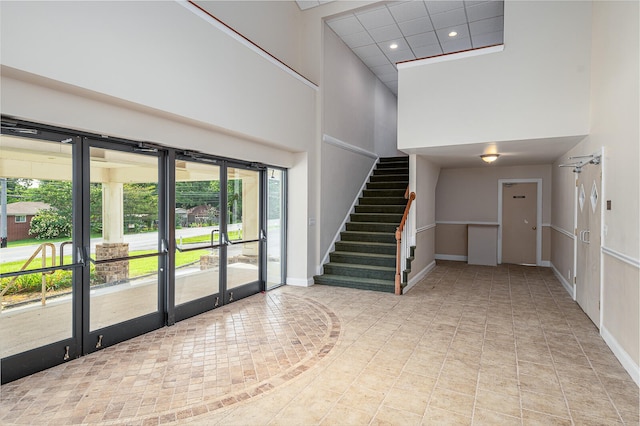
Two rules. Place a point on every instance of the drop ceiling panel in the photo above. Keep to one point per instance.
(456, 45)
(367, 51)
(485, 10)
(400, 56)
(490, 25)
(384, 69)
(423, 39)
(408, 11)
(443, 6)
(346, 26)
(428, 51)
(374, 61)
(487, 39)
(400, 42)
(358, 39)
(449, 19)
(443, 33)
(415, 26)
(376, 18)
(386, 33)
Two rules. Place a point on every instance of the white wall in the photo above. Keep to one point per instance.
(615, 112)
(280, 37)
(538, 87)
(471, 194)
(131, 50)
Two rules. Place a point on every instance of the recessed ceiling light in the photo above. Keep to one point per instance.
(453, 33)
(393, 46)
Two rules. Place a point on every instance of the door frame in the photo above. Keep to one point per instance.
(538, 182)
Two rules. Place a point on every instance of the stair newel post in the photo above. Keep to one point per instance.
(398, 260)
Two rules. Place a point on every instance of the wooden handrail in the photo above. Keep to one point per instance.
(411, 197)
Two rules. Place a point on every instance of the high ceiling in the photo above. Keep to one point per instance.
(383, 35)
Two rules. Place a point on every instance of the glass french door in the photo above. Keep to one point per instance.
(198, 212)
(40, 258)
(125, 243)
(219, 236)
(243, 233)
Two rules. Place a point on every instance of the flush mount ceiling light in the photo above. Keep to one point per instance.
(489, 158)
(453, 33)
(393, 46)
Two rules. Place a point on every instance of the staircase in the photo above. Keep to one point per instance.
(365, 256)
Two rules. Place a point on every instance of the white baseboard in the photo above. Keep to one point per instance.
(566, 284)
(419, 276)
(622, 355)
(455, 257)
(545, 263)
(300, 282)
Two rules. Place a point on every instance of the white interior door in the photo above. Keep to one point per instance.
(519, 223)
(588, 248)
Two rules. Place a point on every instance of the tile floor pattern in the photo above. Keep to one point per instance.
(467, 345)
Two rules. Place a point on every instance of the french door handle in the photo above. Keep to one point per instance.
(263, 236)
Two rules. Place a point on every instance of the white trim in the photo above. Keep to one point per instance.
(563, 231)
(300, 282)
(460, 222)
(620, 256)
(548, 225)
(419, 276)
(566, 284)
(622, 355)
(537, 181)
(545, 263)
(343, 226)
(450, 57)
(456, 257)
(425, 228)
(242, 40)
(344, 145)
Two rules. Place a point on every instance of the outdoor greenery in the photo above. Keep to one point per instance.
(63, 279)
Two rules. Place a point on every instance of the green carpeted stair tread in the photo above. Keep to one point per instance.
(381, 200)
(361, 258)
(362, 271)
(372, 226)
(366, 247)
(381, 208)
(377, 237)
(387, 286)
(377, 217)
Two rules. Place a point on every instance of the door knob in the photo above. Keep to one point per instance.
(534, 227)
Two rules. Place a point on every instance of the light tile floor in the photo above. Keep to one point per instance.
(467, 345)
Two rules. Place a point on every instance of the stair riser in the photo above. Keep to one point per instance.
(387, 185)
(393, 164)
(377, 217)
(358, 272)
(381, 201)
(360, 286)
(390, 178)
(394, 193)
(354, 259)
(372, 238)
(391, 171)
(365, 248)
(371, 227)
(385, 209)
